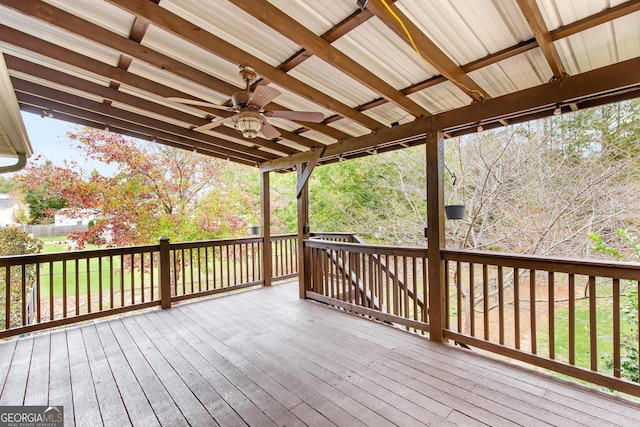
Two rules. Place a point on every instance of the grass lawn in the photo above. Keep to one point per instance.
(604, 334)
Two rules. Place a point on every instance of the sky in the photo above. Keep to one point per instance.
(48, 138)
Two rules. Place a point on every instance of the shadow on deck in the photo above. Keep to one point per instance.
(265, 357)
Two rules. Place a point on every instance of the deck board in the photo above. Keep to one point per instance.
(265, 357)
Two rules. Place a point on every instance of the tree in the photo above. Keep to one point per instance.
(157, 190)
(42, 198)
(16, 242)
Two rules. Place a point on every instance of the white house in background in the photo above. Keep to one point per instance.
(9, 208)
(79, 217)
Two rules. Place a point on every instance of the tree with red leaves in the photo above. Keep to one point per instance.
(157, 190)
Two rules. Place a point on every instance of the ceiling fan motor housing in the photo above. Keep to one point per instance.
(240, 99)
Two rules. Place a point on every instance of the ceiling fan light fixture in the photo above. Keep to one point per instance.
(249, 124)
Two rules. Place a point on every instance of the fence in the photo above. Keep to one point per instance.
(51, 230)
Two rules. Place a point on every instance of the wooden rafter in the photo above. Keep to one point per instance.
(428, 49)
(132, 49)
(292, 29)
(606, 15)
(110, 112)
(139, 132)
(217, 46)
(600, 81)
(110, 94)
(532, 14)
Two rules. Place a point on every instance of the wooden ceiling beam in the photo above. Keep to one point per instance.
(62, 98)
(169, 140)
(293, 30)
(118, 75)
(130, 48)
(606, 15)
(184, 29)
(110, 94)
(600, 81)
(351, 22)
(533, 15)
(428, 49)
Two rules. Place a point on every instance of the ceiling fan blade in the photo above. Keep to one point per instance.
(304, 116)
(262, 96)
(269, 132)
(214, 123)
(199, 103)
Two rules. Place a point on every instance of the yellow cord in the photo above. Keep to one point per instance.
(406, 31)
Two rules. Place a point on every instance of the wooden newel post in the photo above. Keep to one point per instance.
(435, 233)
(165, 273)
(265, 223)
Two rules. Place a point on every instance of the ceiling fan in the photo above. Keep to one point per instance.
(250, 117)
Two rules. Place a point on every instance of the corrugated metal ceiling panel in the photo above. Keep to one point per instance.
(385, 54)
(53, 64)
(235, 26)
(57, 86)
(171, 80)
(602, 45)
(297, 103)
(389, 113)
(318, 16)
(57, 36)
(328, 79)
(513, 74)
(441, 97)
(350, 127)
(467, 30)
(194, 56)
(100, 13)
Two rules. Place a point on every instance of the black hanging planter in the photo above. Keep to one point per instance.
(254, 230)
(454, 211)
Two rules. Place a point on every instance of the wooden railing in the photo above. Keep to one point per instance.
(50, 290)
(284, 251)
(385, 283)
(576, 317)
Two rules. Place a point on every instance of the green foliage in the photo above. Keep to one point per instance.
(6, 185)
(629, 308)
(16, 242)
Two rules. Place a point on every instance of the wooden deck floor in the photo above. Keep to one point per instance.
(265, 358)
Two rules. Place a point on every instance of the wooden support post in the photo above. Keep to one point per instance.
(435, 232)
(165, 273)
(265, 226)
(304, 278)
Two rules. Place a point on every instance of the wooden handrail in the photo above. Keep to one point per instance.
(589, 267)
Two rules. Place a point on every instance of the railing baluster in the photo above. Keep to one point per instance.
(64, 289)
(516, 307)
(7, 313)
(100, 284)
(110, 281)
(151, 276)
(51, 296)
(552, 313)
(406, 287)
(88, 286)
(459, 309)
(24, 297)
(532, 311)
(501, 304)
(121, 280)
(133, 281)
(472, 300)
(572, 319)
(38, 294)
(77, 286)
(485, 300)
(616, 327)
(142, 278)
(593, 332)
